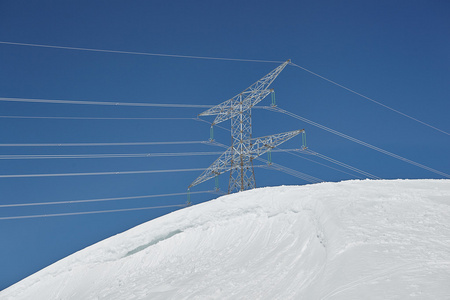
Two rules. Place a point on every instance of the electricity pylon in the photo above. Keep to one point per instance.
(238, 158)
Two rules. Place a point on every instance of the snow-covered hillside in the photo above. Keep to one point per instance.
(347, 240)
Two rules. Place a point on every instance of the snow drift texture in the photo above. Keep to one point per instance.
(348, 240)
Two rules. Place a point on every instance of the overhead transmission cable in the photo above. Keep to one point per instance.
(140, 53)
(292, 153)
(229, 59)
(103, 144)
(101, 200)
(291, 172)
(99, 173)
(114, 155)
(316, 162)
(118, 155)
(78, 102)
(277, 109)
(339, 163)
(91, 212)
(309, 152)
(220, 58)
(92, 118)
(111, 118)
(370, 99)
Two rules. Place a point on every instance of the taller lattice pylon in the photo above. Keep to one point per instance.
(238, 159)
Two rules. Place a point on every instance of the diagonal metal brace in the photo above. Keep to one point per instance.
(221, 165)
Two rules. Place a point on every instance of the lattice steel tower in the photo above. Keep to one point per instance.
(238, 158)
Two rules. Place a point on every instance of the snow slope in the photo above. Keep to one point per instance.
(347, 240)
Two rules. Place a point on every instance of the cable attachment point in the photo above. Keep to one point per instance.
(304, 140)
(269, 156)
(216, 188)
(211, 134)
(274, 104)
(188, 202)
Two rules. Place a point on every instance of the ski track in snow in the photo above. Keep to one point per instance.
(386, 239)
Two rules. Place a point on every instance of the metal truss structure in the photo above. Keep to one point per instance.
(238, 158)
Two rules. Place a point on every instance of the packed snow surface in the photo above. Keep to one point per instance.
(347, 240)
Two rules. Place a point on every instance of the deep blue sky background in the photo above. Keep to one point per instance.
(396, 52)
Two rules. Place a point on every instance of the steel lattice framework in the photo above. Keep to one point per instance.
(238, 158)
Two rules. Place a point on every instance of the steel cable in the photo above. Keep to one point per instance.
(370, 99)
(101, 200)
(277, 109)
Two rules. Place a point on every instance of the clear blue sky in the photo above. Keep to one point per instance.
(395, 52)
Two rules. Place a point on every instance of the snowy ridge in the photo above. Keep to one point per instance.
(347, 240)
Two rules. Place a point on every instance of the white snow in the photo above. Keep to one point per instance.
(347, 240)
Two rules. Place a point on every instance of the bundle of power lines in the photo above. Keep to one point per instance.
(306, 154)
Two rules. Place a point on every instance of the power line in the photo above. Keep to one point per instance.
(111, 118)
(214, 58)
(77, 102)
(115, 155)
(309, 151)
(90, 212)
(277, 109)
(101, 173)
(370, 99)
(92, 118)
(302, 157)
(292, 172)
(198, 106)
(102, 199)
(104, 144)
(310, 178)
(80, 156)
(140, 53)
(344, 165)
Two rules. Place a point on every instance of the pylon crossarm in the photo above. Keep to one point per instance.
(232, 107)
(221, 108)
(264, 144)
(245, 100)
(267, 80)
(221, 165)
